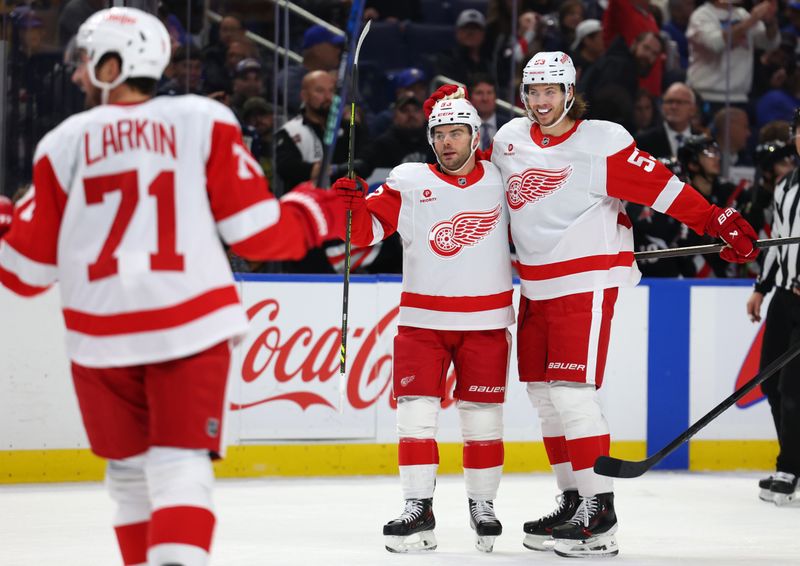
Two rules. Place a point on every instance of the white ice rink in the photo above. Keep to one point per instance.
(665, 518)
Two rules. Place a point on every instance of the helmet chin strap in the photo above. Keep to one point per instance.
(563, 114)
(105, 88)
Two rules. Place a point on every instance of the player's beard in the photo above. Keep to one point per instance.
(550, 118)
(456, 162)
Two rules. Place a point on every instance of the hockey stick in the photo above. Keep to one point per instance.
(351, 175)
(331, 134)
(710, 248)
(616, 468)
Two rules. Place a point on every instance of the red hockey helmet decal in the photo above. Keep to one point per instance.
(534, 184)
(449, 237)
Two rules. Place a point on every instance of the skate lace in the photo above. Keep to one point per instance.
(413, 510)
(561, 502)
(586, 509)
(483, 511)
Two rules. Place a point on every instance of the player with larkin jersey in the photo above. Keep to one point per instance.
(455, 307)
(565, 180)
(129, 201)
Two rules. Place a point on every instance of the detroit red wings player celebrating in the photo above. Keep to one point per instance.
(129, 201)
(565, 179)
(455, 307)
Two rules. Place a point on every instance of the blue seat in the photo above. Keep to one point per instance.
(384, 46)
(437, 12)
(458, 6)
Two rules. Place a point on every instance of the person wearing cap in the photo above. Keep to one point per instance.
(588, 45)
(409, 80)
(247, 82)
(257, 118)
(469, 56)
(321, 50)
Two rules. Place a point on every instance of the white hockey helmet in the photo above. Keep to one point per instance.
(455, 111)
(139, 39)
(548, 67)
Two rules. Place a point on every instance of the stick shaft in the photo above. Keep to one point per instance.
(710, 248)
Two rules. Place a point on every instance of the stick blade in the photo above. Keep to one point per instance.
(616, 468)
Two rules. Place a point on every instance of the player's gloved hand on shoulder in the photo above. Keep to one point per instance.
(6, 214)
(352, 192)
(735, 231)
(321, 210)
(444, 92)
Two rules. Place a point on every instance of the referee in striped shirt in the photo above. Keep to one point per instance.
(782, 271)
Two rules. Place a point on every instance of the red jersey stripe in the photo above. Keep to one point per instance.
(456, 304)
(15, 284)
(574, 266)
(151, 320)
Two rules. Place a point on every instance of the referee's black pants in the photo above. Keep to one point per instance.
(783, 390)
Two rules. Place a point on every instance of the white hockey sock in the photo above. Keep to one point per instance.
(127, 485)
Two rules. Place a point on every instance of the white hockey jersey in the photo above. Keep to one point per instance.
(564, 193)
(126, 210)
(456, 261)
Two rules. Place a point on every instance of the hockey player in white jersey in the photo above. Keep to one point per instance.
(565, 179)
(128, 205)
(455, 307)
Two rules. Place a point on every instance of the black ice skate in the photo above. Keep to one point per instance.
(539, 533)
(590, 532)
(483, 521)
(412, 531)
(764, 493)
(784, 489)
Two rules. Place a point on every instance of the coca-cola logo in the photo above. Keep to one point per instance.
(298, 358)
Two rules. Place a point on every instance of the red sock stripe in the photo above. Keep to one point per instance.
(182, 525)
(556, 447)
(483, 454)
(416, 452)
(584, 451)
(132, 540)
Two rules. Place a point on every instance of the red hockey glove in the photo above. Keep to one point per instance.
(443, 92)
(6, 214)
(352, 192)
(321, 209)
(729, 225)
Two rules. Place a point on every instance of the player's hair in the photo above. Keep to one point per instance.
(143, 85)
(579, 107)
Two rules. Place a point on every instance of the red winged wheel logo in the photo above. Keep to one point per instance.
(534, 184)
(448, 237)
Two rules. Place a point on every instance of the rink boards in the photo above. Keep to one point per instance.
(677, 349)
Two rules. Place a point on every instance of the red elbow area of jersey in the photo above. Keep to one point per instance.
(14, 284)
(285, 240)
(691, 208)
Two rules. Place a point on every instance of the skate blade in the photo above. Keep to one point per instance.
(766, 495)
(484, 543)
(538, 542)
(422, 541)
(600, 545)
(786, 500)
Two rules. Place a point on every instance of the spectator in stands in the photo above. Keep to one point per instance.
(468, 57)
(772, 67)
(404, 142)
(230, 28)
(699, 157)
(299, 142)
(258, 119)
(780, 103)
(219, 77)
(708, 34)
(504, 48)
(560, 36)
(732, 132)
(679, 13)
(322, 50)
(588, 46)
(247, 83)
(644, 111)
(629, 19)
(411, 79)
(186, 69)
(678, 107)
(483, 96)
(793, 14)
(610, 84)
